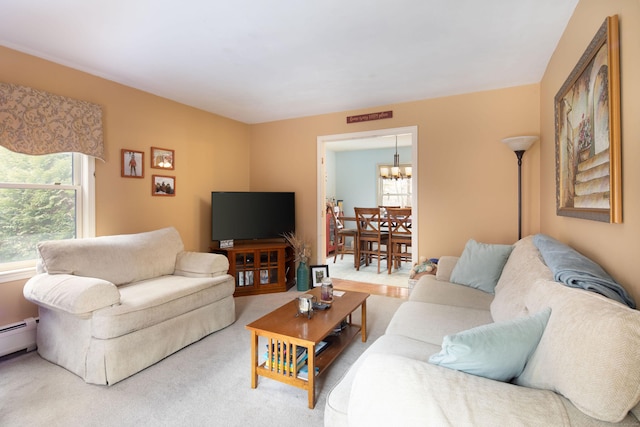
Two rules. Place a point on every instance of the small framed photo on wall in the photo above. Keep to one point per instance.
(132, 163)
(162, 158)
(163, 185)
(319, 272)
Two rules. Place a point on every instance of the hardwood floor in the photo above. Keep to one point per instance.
(370, 288)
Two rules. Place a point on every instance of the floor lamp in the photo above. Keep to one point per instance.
(520, 144)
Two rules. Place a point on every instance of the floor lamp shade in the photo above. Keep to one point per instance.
(520, 144)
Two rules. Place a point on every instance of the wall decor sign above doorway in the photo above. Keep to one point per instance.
(370, 116)
(587, 132)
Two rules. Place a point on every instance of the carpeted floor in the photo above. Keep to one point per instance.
(205, 384)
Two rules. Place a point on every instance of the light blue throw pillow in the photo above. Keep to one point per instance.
(498, 350)
(480, 265)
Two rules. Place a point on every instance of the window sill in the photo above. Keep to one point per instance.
(19, 274)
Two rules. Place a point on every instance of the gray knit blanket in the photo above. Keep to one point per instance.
(577, 271)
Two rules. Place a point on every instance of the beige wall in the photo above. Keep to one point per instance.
(211, 154)
(614, 246)
(468, 178)
(13, 306)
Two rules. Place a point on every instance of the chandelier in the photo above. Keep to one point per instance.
(396, 172)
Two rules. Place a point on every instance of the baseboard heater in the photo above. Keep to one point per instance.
(18, 336)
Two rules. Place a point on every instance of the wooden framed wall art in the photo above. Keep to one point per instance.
(587, 132)
(163, 185)
(131, 163)
(162, 158)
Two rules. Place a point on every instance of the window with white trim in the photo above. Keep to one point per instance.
(394, 192)
(42, 197)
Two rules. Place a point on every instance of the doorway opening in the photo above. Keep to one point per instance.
(382, 139)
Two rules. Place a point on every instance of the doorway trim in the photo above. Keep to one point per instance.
(321, 182)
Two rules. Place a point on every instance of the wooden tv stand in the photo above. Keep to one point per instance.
(260, 267)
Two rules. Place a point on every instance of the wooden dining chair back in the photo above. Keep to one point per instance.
(383, 210)
(373, 241)
(341, 235)
(399, 221)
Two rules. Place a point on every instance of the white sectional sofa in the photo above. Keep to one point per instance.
(584, 370)
(112, 306)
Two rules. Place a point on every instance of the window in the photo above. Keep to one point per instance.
(394, 192)
(45, 197)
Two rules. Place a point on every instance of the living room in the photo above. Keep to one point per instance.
(468, 177)
(468, 173)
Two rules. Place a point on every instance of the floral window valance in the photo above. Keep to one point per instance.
(37, 122)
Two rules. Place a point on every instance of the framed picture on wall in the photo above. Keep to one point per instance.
(319, 272)
(587, 132)
(163, 185)
(162, 158)
(132, 163)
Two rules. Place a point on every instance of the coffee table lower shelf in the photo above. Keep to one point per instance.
(322, 361)
(282, 327)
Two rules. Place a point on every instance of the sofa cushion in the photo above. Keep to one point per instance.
(430, 289)
(337, 405)
(446, 264)
(523, 268)
(480, 265)
(397, 391)
(118, 259)
(589, 353)
(431, 322)
(147, 303)
(497, 351)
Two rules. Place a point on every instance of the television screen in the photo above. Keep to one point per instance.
(251, 215)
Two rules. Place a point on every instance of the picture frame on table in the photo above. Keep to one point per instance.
(588, 132)
(162, 185)
(162, 158)
(132, 163)
(319, 272)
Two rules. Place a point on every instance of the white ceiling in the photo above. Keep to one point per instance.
(264, 60)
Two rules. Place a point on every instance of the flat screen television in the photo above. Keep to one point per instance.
(251, 215)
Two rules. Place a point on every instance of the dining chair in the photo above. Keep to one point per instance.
(341, 235)
(371, 238)
(399, 223)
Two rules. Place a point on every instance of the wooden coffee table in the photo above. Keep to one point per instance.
(284, 333)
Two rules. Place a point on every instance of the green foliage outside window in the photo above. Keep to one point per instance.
(36, 202)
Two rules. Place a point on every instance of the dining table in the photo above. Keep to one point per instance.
(345, 219)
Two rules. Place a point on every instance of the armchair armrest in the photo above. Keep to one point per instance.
(72, 294)
(200, 264)
(445, 267)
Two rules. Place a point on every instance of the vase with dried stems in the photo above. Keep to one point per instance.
(302, 253)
